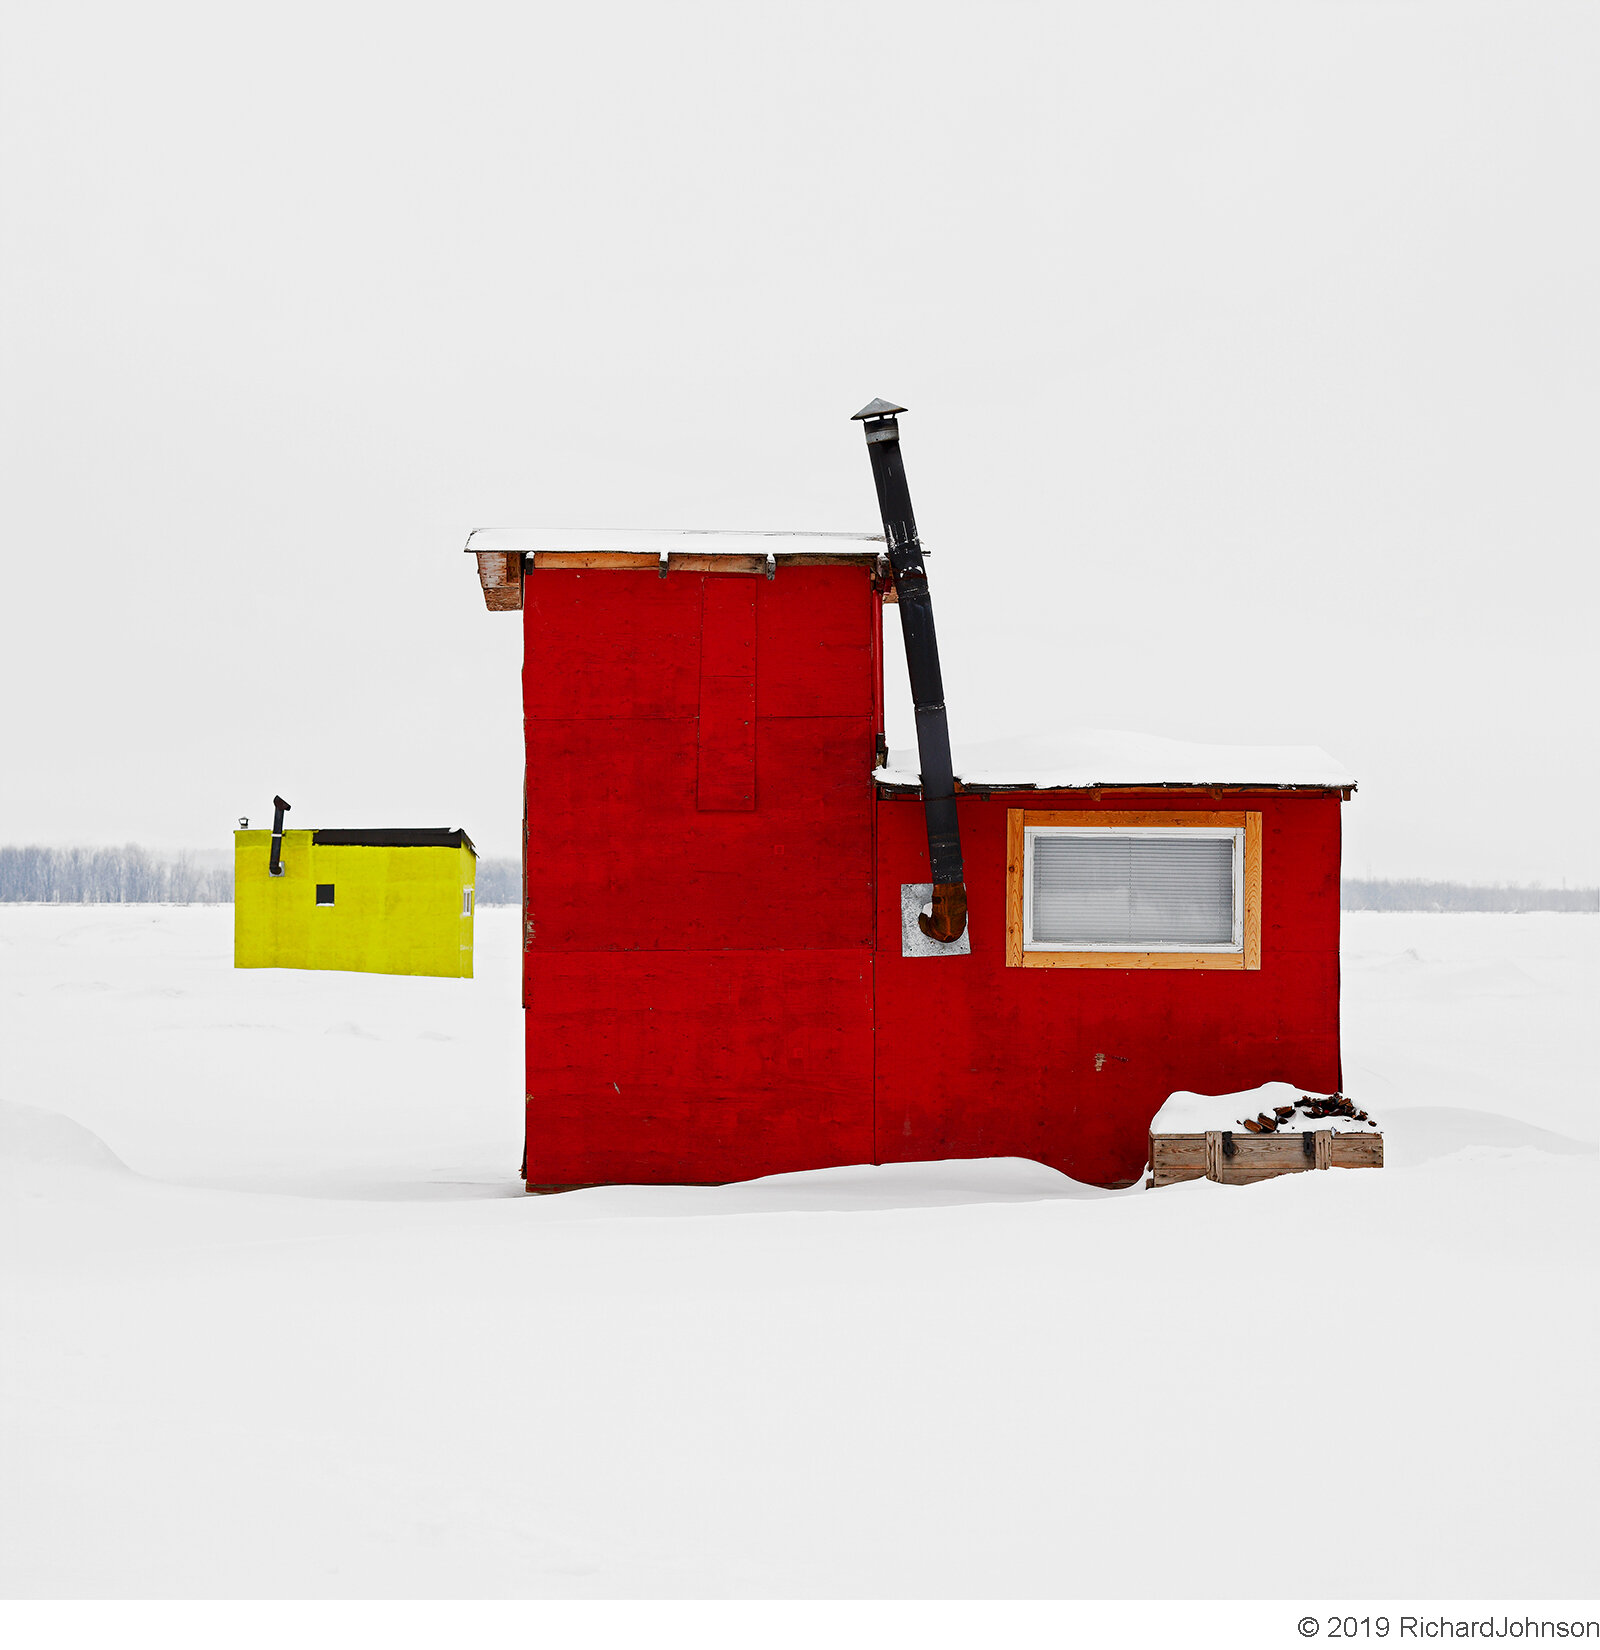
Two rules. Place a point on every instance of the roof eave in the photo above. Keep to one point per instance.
(1231, 787)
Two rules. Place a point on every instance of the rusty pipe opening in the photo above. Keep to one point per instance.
(947, 921)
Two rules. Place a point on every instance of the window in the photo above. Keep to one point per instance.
(466, 902)
(324, 893)
(1086, 889)
(1092, 889)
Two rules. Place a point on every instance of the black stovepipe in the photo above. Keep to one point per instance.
(275, 858)
(948, 918)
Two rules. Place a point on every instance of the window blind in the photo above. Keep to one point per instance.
(1099, 888)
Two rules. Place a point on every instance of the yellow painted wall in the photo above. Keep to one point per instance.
(395, 910)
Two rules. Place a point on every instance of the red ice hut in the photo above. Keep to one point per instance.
(746, 940)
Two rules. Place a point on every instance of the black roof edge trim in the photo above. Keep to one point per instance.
(892, 787)
(439, 837)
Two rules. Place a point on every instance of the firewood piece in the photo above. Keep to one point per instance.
(1283, 1111)
(1251, 1124)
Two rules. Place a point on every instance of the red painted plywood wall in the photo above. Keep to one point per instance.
(700, 918)
(713, 977)
(1068, 1065)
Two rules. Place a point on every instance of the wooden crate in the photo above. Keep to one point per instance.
(1252, 1157)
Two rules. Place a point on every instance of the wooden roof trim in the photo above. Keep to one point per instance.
(699, 562)
(501, 572)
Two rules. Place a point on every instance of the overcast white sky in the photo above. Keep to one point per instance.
(1252, 353)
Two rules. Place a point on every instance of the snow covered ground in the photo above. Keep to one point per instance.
(278, 1320)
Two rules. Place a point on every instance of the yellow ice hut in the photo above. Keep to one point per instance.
(371, 902)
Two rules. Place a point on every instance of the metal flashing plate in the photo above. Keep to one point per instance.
(915, 898)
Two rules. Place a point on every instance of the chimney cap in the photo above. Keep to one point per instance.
(877, 409)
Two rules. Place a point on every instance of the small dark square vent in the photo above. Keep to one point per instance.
(324, 893)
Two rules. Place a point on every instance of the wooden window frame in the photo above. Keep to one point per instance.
(1020, 820)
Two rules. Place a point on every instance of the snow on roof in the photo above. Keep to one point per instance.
(676, 541)
(1086, 759)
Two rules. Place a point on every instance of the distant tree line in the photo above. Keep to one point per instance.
(1414, 894)
(111, 876)
(135, 876)
(132, 875)
(499, 882)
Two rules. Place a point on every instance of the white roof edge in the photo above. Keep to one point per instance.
(655, 541)
(910, 779)
(1084, 760)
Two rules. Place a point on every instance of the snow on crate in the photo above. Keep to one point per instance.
(1273, 1108)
